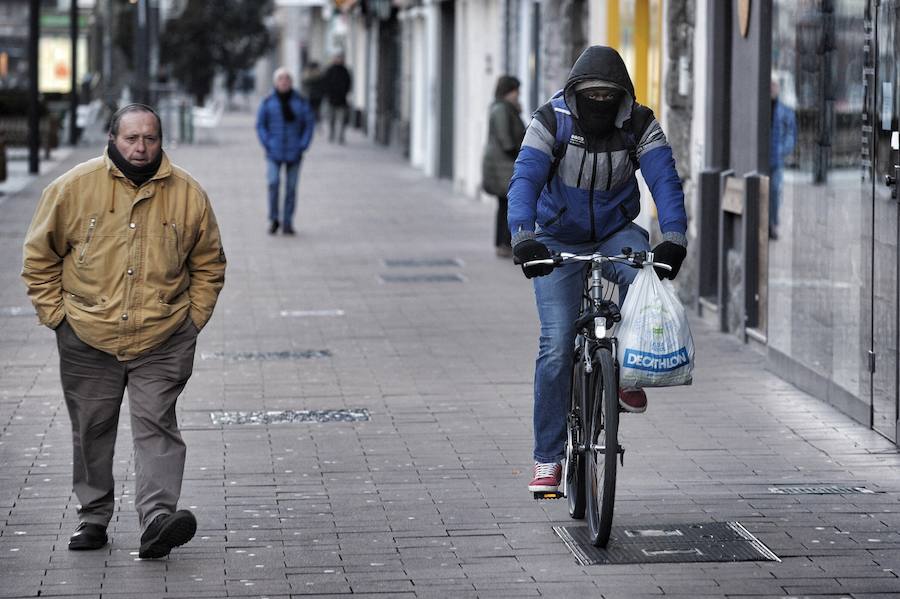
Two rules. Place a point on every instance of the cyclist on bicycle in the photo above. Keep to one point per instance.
(574, 190)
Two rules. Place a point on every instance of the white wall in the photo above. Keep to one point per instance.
(698, 123)
(430, 121)
(597, 22)
(479, 58)
(416, 47)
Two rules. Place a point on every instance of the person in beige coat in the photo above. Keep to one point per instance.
(123, 259)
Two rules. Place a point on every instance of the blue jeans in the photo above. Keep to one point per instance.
(558, 297)
(776, 178)
(273, 178)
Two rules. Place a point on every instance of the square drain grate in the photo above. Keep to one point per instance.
(707, 542)
(241, 356)
(819, 490)
(424, 278)
(421, 262)
(289, 416)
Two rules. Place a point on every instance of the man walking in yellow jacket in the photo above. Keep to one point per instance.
(123, 259)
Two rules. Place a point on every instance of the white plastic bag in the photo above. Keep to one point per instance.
(655, 344)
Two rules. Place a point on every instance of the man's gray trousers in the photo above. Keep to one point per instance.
(94, 383)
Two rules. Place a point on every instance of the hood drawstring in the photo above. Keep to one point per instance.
(112, 197)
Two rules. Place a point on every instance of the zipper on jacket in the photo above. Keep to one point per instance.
(609, 162)
(90, 235)
(591, 198)
(581, 170)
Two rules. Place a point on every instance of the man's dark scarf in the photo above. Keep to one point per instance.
(136, 174)
(286, 111)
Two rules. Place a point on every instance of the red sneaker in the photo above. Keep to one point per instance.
(546, 477)
(633, 400)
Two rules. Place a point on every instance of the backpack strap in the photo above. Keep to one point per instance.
(633, 130)
(562, 134)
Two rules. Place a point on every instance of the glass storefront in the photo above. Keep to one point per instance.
(833, 225)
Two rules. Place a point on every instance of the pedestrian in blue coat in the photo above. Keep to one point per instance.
(284, 124)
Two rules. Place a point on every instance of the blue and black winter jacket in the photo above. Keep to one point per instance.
(284, 141)
(593, 192)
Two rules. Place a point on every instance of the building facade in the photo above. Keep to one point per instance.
(797, 201)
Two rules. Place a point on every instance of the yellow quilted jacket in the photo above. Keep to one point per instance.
(124, 265)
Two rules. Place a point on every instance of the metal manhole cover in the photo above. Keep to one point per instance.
(289, 416)
(819, 490)
(266, 355)
(421, 262)
(435, 278)
(707, 542)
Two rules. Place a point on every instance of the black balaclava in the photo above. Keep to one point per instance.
(597, 117)
(286, 111)
(137, 174)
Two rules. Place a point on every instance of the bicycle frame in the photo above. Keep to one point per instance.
(592, 447)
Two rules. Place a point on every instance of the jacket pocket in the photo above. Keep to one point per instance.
(555, 218)
(83, 301)
(172, 248)
(88, 238)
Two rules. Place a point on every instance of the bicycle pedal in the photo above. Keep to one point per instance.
(548, 495)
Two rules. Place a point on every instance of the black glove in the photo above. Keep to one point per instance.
(671, 254)
(532, 249)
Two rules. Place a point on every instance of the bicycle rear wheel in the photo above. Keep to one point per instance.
(575, 435)
(603, 448)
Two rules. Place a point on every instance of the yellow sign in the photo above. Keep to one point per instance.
(55, 63)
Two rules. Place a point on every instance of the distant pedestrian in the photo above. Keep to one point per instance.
(312, 87)
(123, 259)
(337, 84)
(284, 124)
(505, 133)
(782, 138)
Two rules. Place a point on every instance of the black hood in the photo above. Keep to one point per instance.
(601, 63)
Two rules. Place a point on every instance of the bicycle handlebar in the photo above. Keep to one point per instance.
(634, 260)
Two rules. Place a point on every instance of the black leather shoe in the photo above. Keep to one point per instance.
(288, 229)
(88, 536)
(273, 228)
(165, 532)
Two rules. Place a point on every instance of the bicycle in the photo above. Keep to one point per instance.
(592, 441)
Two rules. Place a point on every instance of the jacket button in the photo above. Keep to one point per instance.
(131, 271)
(124, 317)
(132, 225)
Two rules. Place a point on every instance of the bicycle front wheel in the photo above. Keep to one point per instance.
(602, 450)
(575, 435)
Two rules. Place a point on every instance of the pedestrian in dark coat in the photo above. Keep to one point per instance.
(284, 125)
(505, 133)
(337, 83)
(313, 87)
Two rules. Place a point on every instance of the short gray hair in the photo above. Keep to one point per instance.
(135, 107)
(279, 72)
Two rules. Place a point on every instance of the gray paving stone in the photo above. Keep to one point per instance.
(426, 499)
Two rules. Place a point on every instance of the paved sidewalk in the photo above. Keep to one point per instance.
(427, 498)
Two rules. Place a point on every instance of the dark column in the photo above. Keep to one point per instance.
(34, 135)
(716, 155)
(141, 52)
(73, 96)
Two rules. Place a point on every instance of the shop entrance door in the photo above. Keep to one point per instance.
(883, 119)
